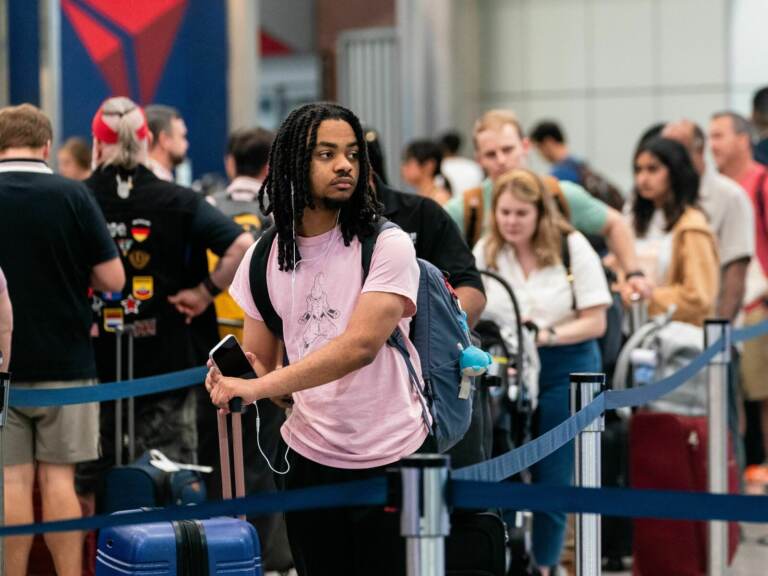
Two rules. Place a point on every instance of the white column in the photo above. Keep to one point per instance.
(243, 73)
(50, 66)
(438, 64)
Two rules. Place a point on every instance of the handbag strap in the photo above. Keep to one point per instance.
(565, 254)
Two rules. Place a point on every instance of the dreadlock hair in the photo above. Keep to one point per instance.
(289, 163)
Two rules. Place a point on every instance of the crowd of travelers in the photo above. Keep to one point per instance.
(112, 244)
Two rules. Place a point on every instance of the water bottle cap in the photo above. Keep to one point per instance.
(643, 356)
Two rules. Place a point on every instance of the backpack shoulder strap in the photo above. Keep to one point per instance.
(565, 254)
(368, 243)
(473, 214)
(258, 278)
(553, 186)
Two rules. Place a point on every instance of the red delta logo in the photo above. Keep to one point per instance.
(115, 34)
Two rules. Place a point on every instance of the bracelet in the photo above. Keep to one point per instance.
(213, 290)
(634, 273)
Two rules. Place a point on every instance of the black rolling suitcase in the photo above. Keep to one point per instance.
(616, 532)
(477, 545)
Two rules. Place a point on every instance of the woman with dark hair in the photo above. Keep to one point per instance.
(421, 170)
(375, 153)
(675, 246)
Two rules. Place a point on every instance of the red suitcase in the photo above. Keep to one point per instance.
(669, 452)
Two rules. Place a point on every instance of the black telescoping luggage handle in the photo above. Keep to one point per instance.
(119, 333)
(236, 404)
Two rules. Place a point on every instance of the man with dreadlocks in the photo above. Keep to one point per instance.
(354, 411)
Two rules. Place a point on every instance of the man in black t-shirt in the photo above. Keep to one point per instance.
(435, 236)
(163, 232)
(54, 246)
(437, 240)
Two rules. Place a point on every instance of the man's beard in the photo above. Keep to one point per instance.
(176, 159)
(334, 204)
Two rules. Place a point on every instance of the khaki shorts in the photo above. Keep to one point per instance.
(56, 434)
(754, 359)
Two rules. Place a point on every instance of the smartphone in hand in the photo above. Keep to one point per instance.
(230, 359)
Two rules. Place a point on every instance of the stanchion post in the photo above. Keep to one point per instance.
(131, 400)
(424, 520)
(5, 387)
(118, 403)
(717, 443)
(584, 389)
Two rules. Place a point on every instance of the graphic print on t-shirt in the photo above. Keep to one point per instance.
(319, 317)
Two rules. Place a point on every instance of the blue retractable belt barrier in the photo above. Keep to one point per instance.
(509, 464)
(372, 492)
(462, 494)
(750, 332)
(645, 394)
(610, 501)
(515, 461)
(32, 397)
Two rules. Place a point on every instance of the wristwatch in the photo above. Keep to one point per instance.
(551, 336)
(213, 290)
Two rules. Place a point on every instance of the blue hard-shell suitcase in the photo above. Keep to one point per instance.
(190, 547)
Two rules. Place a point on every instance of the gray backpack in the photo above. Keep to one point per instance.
(675, 345)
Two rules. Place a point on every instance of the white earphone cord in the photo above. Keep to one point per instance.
(293, 283)
(258, 444)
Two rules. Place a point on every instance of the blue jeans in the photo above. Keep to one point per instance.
(557, 363)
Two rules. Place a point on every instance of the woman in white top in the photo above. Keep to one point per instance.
(676, 248)
(525, 245)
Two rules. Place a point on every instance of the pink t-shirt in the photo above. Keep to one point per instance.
(371, 417)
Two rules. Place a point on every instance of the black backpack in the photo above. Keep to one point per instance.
(600, 187)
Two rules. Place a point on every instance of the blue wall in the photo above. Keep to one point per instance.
(23, 52)
(194, 78)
